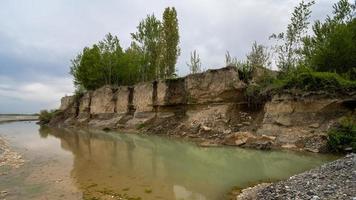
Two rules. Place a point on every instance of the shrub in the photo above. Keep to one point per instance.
(307, 80)
(343, 135)
(45, 116)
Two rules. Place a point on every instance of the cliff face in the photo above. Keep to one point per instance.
(210, 106)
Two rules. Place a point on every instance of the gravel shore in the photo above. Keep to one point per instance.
(8, 157)
(334, 180)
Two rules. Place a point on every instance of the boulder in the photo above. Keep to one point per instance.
(222, 85)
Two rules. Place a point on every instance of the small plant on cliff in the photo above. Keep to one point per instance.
(343, 136)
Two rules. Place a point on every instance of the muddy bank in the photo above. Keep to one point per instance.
(334, 180)
(211, 107)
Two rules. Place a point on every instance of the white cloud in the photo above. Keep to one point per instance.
(41, 36)
(46, 92)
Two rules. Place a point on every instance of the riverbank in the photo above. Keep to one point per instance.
(334, 180)
(214, 107)
(14, 118)
(8, 157)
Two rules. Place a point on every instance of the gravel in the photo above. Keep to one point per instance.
(334, 180)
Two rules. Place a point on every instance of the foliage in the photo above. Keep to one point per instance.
(332, 47)
(343, 135)
(152, 55)
(147, 39)
(195, 63)
(308, 80)
(245, 71)
(290, 47)
(259, 56)
(169, 43)
(230, 61)
(45, 116)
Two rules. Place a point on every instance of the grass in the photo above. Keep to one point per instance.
(313, 81)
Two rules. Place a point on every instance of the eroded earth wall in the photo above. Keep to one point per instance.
(210, 106)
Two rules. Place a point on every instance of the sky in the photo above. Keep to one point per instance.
(38, 38)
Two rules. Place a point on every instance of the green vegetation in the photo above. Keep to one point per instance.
(45, 116)
(343, 136)
(332, 47)
(152, 55)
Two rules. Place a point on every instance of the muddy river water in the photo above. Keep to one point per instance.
(82, 164)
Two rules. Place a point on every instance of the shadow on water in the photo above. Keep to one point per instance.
(154, 167)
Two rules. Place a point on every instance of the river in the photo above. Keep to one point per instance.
(83, 164)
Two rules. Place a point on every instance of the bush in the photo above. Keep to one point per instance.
(307, 80)
(343, 135)
(45, 116)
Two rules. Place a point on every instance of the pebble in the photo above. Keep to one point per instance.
(330, 181)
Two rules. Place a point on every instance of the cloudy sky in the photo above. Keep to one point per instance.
(39, 37)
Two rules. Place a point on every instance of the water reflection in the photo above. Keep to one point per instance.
(159, 168)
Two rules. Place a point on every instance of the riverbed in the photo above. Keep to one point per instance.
(89, 164)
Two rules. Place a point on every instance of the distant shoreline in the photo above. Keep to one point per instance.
(17, 117)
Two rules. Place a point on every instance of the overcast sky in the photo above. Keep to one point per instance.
(39, 37)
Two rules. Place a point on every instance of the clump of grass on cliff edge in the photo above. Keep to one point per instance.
(305, 79)
(343, 136)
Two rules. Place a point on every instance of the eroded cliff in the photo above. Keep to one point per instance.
(209, 107)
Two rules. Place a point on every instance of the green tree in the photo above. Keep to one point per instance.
(195, 63)
(111, 53)
(332, 46)
(86, 68)
(147, 38)
(290, 47)
(169, 43)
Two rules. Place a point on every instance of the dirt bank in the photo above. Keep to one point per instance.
(213, 108)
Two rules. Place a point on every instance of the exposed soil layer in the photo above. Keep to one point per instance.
(211, 107)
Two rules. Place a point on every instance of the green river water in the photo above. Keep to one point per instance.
(80, 164)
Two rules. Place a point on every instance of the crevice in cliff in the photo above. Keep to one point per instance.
(154, 96)
(89, 105)
(130, 107)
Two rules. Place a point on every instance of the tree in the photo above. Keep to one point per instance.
(289, 52)
(259, 56)
(169, 43)
(332, 46)
(195, 63)
(147, 39)
(86, 68)
(111, 52)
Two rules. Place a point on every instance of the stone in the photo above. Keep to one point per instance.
(209, 144)
(205, 128)
(221, 85)
(283, 121)
(314, 125)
